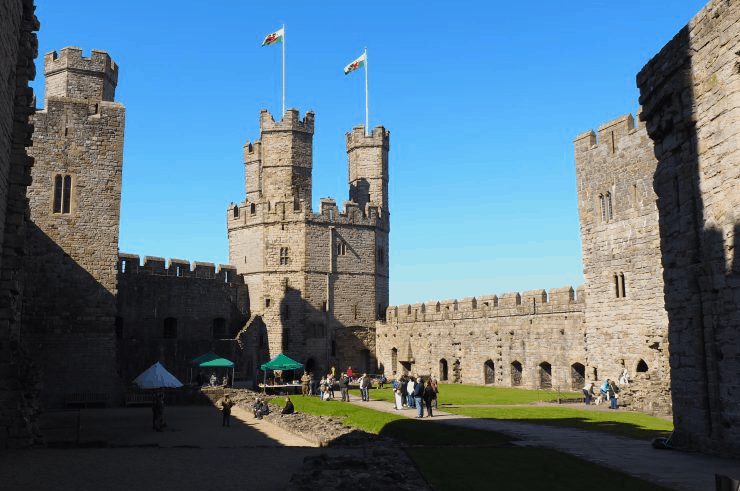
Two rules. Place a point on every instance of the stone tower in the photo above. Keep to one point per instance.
(317, 281)
(626, 320)
(75, 201)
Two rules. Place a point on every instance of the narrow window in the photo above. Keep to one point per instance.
(609, 213)
(354, 311)
(123, 266)
(170, 328)
(219, 328)
(621, 281)
(602, 204)
(58, 194)
(341, 248)
(66, 194)
(616, 285)
(323, 306)
(267, 303)
(252, 209)
(333, 348)
(283, 255)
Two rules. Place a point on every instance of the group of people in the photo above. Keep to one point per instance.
(410, 392)
(608, 391)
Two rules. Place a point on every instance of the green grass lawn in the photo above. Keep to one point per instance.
(476, 394)
(635, 425)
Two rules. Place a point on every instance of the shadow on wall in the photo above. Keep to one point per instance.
(700, 290)
(69, 321)
(317, 338)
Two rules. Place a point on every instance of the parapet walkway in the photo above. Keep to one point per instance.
(670, 468)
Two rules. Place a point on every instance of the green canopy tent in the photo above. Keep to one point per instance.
(211, 360)
(280, 362)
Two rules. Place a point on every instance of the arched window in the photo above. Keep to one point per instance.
(577, 376)
(545, 370)
(602, 205)
(489, 372)
(252, 208)
(443, 370)
(62, 193)
(641, 366)
(516, 374)
(169, 330)
(609, 213)
(236, 211)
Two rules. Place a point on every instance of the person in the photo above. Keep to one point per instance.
(213, 379)
(226, 404)
(588, 393)
(333, 372)
(428, 397)
(410, 391)
(305, 381)
(330, 384)
(323, 389)
(365, 387)
(418, 394)
(624, 377)
(289, 408)
(261, 408)
(381, 381)
(350, 374)
(344, 386)
(605, 389)
(158, 411)
(225, 381)
(313, 385)
(436, 391)
(613, 390)
(403, 383)
(397, 394)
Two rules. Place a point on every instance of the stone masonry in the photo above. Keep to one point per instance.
(626, 321)
(690, 93)
(19, 388)
(317, 281)
(75, 201)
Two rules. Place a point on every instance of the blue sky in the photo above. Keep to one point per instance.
(482, 99)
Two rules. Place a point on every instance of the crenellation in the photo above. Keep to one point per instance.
(291, 121)
(69, 74)
(509, 300)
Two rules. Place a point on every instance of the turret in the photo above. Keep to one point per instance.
(69, 74)
(368, 166)
(278, 166)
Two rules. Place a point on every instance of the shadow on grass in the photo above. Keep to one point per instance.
(416, 432)
(518, 468)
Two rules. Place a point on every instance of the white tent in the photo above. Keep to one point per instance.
(156, 377)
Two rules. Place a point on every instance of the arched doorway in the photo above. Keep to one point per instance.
(516, 374)
(489, 372)
(545, 375)
(443, 371)
(394, 360)
(577, 376)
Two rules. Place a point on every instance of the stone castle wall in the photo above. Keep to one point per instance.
(690, 93)
(75, 201)
(19, 388)
(172, 311)
(626, 321)
(528, 340)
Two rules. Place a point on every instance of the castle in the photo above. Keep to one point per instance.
(656, 200)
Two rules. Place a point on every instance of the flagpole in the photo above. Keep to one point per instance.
(367, 119)
(283, 43)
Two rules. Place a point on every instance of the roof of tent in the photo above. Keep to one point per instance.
(211, 359)
(156, 377)
(281, 362)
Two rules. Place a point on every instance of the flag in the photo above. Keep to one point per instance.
(358, 63)
(274, 38)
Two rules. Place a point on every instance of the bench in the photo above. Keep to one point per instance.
(85, 399)
(136, 398)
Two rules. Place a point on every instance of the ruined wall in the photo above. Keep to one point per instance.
(173, 311)
(317, 281)
(19, 388)
(690, 94)
(530, 340)
(626, 321)
(75, 199)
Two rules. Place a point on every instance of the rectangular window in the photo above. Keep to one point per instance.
(62, 194)
(341, 248)
(283, 255)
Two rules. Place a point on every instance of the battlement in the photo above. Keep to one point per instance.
(609, 133)
(561, 299)
(351, 213)
(290, 122)
(130, 264)
(380, 137)
(69, 74)
(252, 151)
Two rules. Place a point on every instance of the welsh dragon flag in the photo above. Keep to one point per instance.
(274, 38)
(358, 63)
